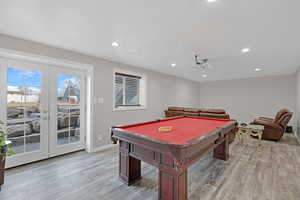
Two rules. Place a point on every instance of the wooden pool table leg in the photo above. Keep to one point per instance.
(172, 185)
(222, 150)
(129, 167)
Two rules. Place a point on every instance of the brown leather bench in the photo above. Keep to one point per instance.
(183, 111)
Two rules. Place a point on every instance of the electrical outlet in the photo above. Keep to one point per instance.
(98, 100)
(101, 100)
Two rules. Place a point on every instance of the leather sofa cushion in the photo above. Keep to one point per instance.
(214, 115)
(170, 113)
(284, 119)
(268, 124)
(175, 108)
(192, 110)
(265, 119)
(216, 111)
(190, 114)
(280, 113)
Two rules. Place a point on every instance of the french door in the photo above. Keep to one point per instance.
(67, 111)
(43, 109)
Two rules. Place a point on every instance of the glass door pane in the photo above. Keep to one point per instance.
(23, 116)
(68, 109)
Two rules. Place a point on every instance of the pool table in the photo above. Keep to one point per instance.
(173, 151)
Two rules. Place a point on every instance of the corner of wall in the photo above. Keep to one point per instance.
(297, 114)
(199, 97)
(298, 134)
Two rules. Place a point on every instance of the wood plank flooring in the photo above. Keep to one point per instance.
(270, 174)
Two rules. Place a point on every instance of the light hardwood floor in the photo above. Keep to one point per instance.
(270, 174)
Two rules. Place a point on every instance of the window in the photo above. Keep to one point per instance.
(128, 91)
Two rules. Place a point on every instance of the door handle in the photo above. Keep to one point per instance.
(46, 115)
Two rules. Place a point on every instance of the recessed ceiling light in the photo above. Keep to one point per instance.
(115, 44)
(211, 1)
(257, 69)
(173, 64)
(245, 50)
(204, 75)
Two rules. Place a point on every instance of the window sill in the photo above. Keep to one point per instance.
(125, 108)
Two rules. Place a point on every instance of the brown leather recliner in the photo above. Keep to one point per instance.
(274, 128)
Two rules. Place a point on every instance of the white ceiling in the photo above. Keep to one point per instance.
(155, 33)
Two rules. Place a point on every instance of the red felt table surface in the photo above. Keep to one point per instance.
(184, 128)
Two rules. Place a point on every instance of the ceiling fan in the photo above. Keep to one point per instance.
(202, 63)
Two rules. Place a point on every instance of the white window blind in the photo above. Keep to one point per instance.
(127, 90)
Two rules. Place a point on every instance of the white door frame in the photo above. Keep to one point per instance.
(22, 56)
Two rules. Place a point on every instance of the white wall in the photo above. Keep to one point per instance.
(243, 99)
(162, 90)
(246, 99)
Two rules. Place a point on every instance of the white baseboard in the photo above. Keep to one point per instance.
(102, 148)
